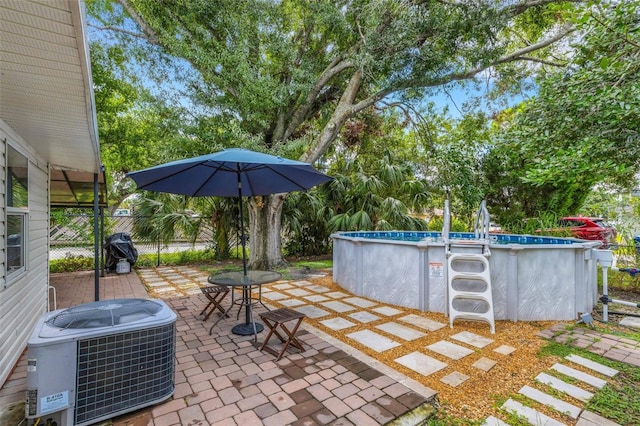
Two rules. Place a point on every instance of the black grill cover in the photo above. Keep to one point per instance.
(119, 246)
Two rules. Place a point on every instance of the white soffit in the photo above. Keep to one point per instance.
(46, 93)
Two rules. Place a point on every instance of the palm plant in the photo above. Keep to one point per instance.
(386, 196)
(305, 223)
(159, 218)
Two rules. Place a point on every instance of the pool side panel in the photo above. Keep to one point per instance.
(530, 282)
(546, 284)
(393, 280)
(436, 279)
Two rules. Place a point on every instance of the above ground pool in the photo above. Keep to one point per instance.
(533, 278)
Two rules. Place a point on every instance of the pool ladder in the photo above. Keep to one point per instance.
(468, 274)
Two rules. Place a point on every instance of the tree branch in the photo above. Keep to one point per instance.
(152, 37)
(345, 109)
(542, 61)
(334, 68)
(121, 30)
(517, 9)
(515, 56)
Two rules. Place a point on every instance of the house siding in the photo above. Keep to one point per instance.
(25, 298)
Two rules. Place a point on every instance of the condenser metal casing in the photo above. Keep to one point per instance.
(99, 360)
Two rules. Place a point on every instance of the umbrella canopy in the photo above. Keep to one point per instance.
(230, 173)
(218, 174)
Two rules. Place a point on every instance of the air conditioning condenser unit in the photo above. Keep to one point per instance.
(99, 360)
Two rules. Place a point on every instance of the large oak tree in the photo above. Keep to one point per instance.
(291, 73)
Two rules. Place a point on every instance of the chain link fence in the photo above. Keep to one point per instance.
(74, 237)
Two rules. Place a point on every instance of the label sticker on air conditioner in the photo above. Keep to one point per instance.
(54, 402)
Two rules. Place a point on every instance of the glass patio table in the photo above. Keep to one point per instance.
(250, 282)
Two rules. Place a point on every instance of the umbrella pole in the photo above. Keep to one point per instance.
(246, 290)
(242, 237)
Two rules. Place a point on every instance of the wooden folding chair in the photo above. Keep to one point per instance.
(215, 294)
(279, 318)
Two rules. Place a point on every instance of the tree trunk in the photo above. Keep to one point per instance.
(265, 245)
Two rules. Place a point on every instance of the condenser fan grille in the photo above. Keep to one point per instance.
(119, 372)
(105, 313)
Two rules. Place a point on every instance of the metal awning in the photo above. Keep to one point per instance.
(72, 188)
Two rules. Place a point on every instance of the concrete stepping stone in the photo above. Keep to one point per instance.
(283, 286)
(301, 283)
(387, 311)
(454, 379)
(400, 331)
(337, 294)
(588, 418)
(337, 323)
(373, 340)
(312, 311)
(592, 365)
(484, 364)
(338, 306)
(472, 339)
(579, 375)
(360, 302)
(505, 350)
(274, 295)
(174, 277)
(316, 298)
(450, 350)
(494, 421)
(165, 290)
(533, 416)
(562, 386)
(631, 322)
(298, 292)
(291, 302)
(158, 284)
(318, 288)
(555, 403)
(421, 363)
(364, 317)
(153, 279)
(422, 322)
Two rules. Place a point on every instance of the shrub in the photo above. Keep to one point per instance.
(71, 264)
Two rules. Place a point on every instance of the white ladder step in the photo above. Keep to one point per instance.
(473, 270)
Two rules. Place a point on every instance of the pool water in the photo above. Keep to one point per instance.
(416, 236)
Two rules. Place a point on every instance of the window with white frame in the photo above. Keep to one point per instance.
(17, 197)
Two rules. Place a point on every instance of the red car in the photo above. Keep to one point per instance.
(590, 228)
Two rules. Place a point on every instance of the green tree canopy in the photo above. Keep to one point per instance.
(294, 72)
(581, 129)
(134, 128)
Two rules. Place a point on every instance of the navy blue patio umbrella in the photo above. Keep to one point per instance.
(232, 172)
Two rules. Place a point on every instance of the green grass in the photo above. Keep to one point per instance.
(619, 399)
